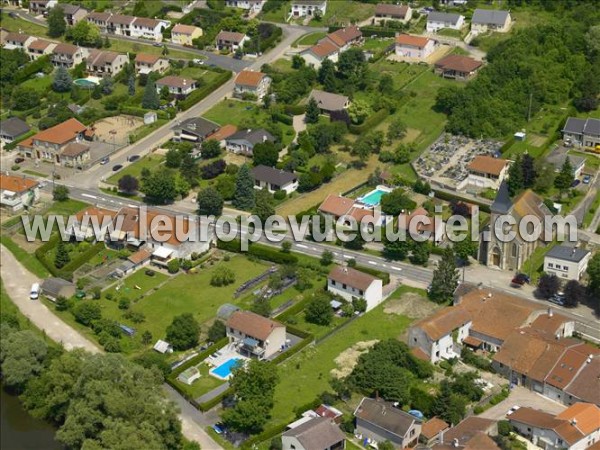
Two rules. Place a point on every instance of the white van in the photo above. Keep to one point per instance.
(35, 291)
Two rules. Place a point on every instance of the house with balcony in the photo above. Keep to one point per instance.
(38, 7)
(120, 24)
(185, 34)
(251, 83)
(146, 28)
(457, 67)
(146, 63)
(17, 193)
(39, 48)
(68, 55)
(567, 263)
(102, 63)
(230, 40)
(308, 8)
(350, 283)
(178, 86)
(274, 180)
(18, 41)
(100, 19)
(254, 335)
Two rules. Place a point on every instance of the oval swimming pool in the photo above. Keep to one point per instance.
(85, 83)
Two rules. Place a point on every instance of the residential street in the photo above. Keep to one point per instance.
(17, 282)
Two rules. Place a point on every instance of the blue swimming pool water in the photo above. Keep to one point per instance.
(224, 370)
(373, 198)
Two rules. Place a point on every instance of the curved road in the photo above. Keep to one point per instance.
(17, 281)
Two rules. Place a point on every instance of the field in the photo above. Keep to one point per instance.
(310, 39)
(149, 162)
(345, 12)
(279, 15)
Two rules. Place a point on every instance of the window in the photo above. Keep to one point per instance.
(344, 286)
(550, 265)
(515, 250)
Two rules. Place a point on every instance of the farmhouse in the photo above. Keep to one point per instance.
(318, 53)
(568, 263)
(194, 129)
(304, 8)
(251, 83)
(145, 63)
(11, 129)
(68, 56)
(318, 433)
(230, 40)
(487, 172)
(439, 20)
(243, 141)
(40, 47)
(176, 85)
(350, 283)
(185, 34)
(49, 144)
(274, 180)
(379, 421)
(582, 132)
(387, 11)
(254, 335)
(416, 48)
(457, 67)
(328, 102)
(485, 20)
(102, 63)
(17, 193)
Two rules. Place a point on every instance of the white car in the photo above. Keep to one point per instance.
(198, 61)
(512, 410)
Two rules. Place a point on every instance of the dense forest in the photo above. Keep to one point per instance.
(548, 64)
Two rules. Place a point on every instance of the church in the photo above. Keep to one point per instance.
(512, 254)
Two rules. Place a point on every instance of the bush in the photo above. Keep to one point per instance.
(222, 276)
(173, 266)
(280, 194)
(124, 303)
(259, 251)
(295, 110)
(203, 91)
(369, 124)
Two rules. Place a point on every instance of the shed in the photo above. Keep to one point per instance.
(163, 347)
(150, 117)
(57, 287)
(188, 376)
(520, 136)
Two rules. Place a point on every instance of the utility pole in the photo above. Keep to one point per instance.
(529, 110)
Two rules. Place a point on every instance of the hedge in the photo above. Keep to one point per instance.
(259, 251)
(385, 277)
(283, 118)
(65, 272)
(370, 123)
(34, 67)
(214, 402)
(203, 91)
(199, 357)
(267, 434)
(295, 110)
(294, 309)
(297, 348)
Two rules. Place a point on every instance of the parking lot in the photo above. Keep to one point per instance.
(445, 161)
(520, 396)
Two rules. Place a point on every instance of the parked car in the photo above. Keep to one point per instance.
(512, 410)
(520, 279)
(133, 158)
(558, 299)
(104, 160)
(117, 167)
(586, 179)
(575, 183)
(198, 61)
(19, 160)
(157, 44)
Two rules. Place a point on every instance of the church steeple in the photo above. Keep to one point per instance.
(502, 204)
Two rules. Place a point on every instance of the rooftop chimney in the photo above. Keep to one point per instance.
(550, 312)
(455, 442)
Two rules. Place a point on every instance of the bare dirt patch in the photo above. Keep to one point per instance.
(347, 360)
(410, 305)
(117, 128)
(411, 135)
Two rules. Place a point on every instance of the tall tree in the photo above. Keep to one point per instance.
(131, 85)
(62, 258)
(62, 79)
(265, 153)
(593, 272)
(128, 184)
(318, 310)
(190, 170)
(22, 355)
(312, 111)
(326, 76)
(161, 186)
(211, 148)
(445, 278)
(244, 197)
(263, 207)
(548, 285)
(574, 293)
(515, 177)
(183, 332)
(150, 100)
(565, 177)
(529, 171)
(210, 202)
(56, 22)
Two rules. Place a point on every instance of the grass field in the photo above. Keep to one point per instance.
(28, 260)
(310, 39)
(279, 15)
(66, 208)
(535, 264)
(149, 162)
(345, 12)
(16, 24)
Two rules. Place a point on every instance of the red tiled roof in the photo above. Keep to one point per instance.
(249, 78)
(459, 63)
(433, 427)
(223, 133)
(175, 81)
(336, 205)
(252, 324)
(585, 415)
(140, 256)
(323, 49)
(412, 41)
(183, 29)
(444, 322)
(16, 184)
(344, 36)
(488, 164)
(146, 58)
(61, 133)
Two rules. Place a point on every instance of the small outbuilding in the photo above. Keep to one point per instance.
(188, 376)
(53, 288)
(163, 347)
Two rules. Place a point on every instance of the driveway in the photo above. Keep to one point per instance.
(520, 396)
(17, 282)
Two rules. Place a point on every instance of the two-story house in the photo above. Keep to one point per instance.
(254, 335)
(317, 433)
(414, 48)
(439, 20)
(487, 171)
(18, 41)
(146, 28)
(485, 20)
(120, 24)
(379, 421)
(440, 336)
(274, 180)
(17, 193)
(243, 141)
(179, 86)
(73, 13)
(251, 83)
(582, 132)
(350, 283)
(41, 6)
(387, 11)
(40, 47)
(103, 63)
(568, 263)
(185, 34)
(230, 40)
(146, 63)
(100, 19)
(68, 55)
(308, 8)
(48, 144)
(252, 6)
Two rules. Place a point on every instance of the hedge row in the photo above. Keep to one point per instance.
(214, 402)
(295, 110)
(385, 277)
(34, 67)
(283, 118)
(203, 91)
(65, 272)
(199, 357)
(370, 123)
(448, 196)
(259, 251)
(294, 309)
(370, 31)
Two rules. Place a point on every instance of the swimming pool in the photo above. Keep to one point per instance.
(373, 198)
(86, 83)
(224, 370)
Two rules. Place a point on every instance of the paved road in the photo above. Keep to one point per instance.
(520, 396)
(584, 205)
(17, 281)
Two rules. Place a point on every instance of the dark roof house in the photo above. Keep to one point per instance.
(273, 176)
(57, 287)
(194, 128)
(319, 433)
(12, 128)
(329, 102)
(489, 16)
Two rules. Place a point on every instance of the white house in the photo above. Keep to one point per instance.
(485, 20)
(414, 48)
(388, 11)
(18, 41)
(486, 172)
(318, 53)
(230, 40)
(253, 6)
(569, 263)
(253, 83)
(273, 180)
(176, 85)
(316, 433)
(440, 335)
(350, 283)
(576, 428)
(304, 8)
(439, 20)
(254, 335)
(146, 28)
(146, 63)
(243, 141)
(18, 192)
(68, 56)
(105, 63)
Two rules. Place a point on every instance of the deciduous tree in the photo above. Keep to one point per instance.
(445, 278)
(210, 202)
(183, 332)
(56, 22)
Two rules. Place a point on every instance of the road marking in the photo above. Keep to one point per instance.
(301, 246)
(396, 268)
(372, 262)
(88, 195)
(348, 256)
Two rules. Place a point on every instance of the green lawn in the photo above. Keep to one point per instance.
(377, 44)
(66, 208)
(149, 162)
(16, 25)
(279, 15)
(451, 33)
(310, 39)
(128, 287)
(28, 260)
(204, 384)
(244, 114)
(199, 73)
(535, 264)
(306, 375)
(591, 211)
(141, 47)
(344, 12)
(41, 84)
